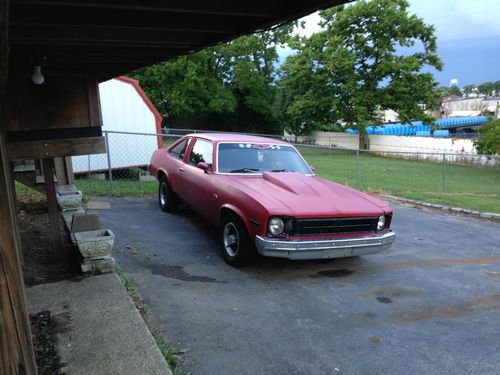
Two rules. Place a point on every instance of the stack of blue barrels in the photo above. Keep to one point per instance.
(419, 129)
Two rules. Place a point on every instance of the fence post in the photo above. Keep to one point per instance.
(357, 169)
(444, 173)
(110, 172)
(89, 180)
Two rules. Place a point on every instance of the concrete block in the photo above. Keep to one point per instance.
(98, 176)
(146, 177)
(84, 223)
(93, 205)
(98, 266)
(487, 215)
(69, 200)
(456, 209)
(68, 217)
(95, 244)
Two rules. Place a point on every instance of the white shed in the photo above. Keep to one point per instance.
(127, 115)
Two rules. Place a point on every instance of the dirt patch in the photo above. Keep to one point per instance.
(43, 331)
(39, 264)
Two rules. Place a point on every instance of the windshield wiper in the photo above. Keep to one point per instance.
(281, 170)
(244, 170)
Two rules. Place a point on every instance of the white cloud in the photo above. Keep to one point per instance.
(453, 19)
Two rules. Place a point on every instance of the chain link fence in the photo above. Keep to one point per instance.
(418, 175)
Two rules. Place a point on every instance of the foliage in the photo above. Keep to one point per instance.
(188, 85)
(231, 84)
(359, 64)
(487, 88)
(489, 141)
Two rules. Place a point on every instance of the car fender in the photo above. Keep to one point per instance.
(238, 212)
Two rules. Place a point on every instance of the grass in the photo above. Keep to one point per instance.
(469, 187)
(465, 186)
(121, 187)
(168, 352)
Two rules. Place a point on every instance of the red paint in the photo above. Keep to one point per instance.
(257, 197)
(149, 104)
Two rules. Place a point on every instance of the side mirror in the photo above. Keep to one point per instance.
(205, 167)
(312, 168)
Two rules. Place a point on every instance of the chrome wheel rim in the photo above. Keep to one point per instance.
(163, 194)
(231, 239)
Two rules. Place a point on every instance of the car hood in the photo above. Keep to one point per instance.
(292, 193)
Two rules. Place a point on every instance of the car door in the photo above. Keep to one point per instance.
(176, 167)
(198, 183)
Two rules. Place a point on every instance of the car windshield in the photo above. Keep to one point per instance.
(258, 158)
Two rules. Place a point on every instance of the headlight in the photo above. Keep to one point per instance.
(381, 223)
(276, 226)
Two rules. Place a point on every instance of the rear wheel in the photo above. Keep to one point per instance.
(166, 197)
(237, 249)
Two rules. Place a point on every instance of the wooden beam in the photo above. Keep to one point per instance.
(36, 15)
(54, 217)
(56, 147)
(54, 35)
(4, 44)
(256, 8)
(16, 349)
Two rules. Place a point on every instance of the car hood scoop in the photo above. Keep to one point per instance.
(303, 195)
(291, 181)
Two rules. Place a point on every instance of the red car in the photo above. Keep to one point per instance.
(265, 198)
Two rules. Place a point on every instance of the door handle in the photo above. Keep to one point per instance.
(181, 169)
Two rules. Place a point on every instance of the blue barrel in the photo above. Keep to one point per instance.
(442, 133)
(423, 133)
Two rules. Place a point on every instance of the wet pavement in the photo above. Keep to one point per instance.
(429, 305)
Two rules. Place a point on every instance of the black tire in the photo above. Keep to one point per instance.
(166, 197)
(241, 252)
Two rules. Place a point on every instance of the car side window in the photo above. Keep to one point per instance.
(179, 150)
(202, 152)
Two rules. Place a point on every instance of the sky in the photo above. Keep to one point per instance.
(468, 34)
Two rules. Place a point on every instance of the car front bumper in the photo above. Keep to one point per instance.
(324, 248)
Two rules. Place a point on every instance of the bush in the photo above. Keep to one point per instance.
(489, 141)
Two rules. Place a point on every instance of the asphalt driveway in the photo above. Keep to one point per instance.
(429, 305)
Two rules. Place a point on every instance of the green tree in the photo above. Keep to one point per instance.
(487, 88)
(187, 85)
(489, 141)
(231, 85)
(359, 64)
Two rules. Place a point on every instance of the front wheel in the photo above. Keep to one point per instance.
(166, 197)
(237, 248)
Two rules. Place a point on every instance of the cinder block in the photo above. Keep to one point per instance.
(85, 223)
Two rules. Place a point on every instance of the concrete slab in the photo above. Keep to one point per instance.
(102, 331)
(93, 205)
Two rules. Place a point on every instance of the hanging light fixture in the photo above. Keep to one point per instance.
(37, 76)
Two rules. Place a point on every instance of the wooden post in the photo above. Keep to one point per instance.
(16, 349)
(64, 170)
(54, 219)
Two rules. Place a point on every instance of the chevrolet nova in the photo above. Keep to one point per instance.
(264, 197)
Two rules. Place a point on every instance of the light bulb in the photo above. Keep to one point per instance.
(37, 76)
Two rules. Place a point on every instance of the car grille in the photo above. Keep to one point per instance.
(313, 227)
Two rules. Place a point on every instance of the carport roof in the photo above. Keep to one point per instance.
(106, 38)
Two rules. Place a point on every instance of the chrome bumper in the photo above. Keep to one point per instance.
(324, 248)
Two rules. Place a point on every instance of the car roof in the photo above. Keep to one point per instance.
(235, 137)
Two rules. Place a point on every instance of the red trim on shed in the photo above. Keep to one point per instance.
(148, 102)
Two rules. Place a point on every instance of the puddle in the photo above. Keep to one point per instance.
(342, 272)
(493, 274)
(394, 292)
(384, 299)
(178, 273)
